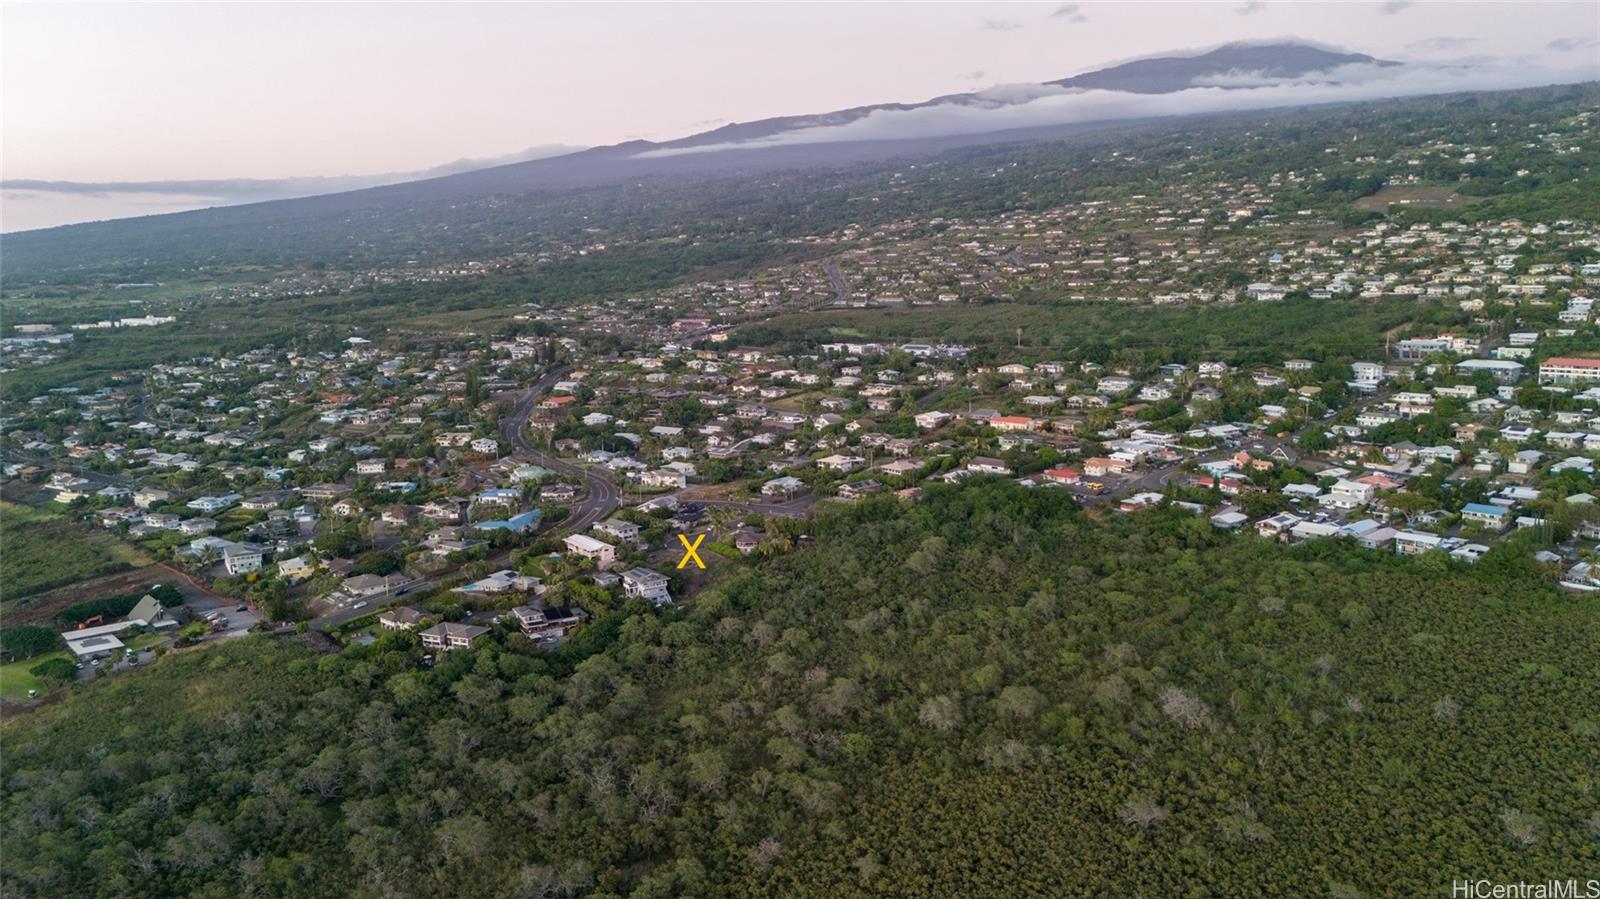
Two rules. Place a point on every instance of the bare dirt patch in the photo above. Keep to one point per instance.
(1421, 196)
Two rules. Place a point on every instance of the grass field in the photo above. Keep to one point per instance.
(16, 678)
(42, 548)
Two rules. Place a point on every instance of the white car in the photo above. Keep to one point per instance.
(360, 605)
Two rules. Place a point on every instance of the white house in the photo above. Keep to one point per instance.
(589, 548)
(241, 558)
(651, 585)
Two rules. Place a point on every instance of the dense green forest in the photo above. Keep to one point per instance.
(984, 693)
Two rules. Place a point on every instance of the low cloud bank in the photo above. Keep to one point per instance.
(1009, 107)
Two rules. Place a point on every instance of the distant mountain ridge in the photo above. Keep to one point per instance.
(1167, 74)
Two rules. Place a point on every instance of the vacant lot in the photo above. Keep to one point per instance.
(1418, 196)
(42, 548)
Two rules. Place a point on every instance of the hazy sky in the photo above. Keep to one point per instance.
(132, 91)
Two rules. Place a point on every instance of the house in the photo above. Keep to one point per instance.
(520, 523)
(149, 613)
(746, 541)
(1063, 475)
(664, 477)
(1013, 423)
(784, 486)
(450, 636)
(859, 489)
(1485, 514)
(1313, 530)
(1503, 370)
(616, 527)
(1410, 543)
(92, 646)
(841, 463)
(589, 548)
(241, 558)
(1101, 466)
(558, 493)
(504, 581)
(929, 421)
(1525, 461)
(1346, 495)
(1569, 370)
(1230, 520)
(646, 584)
(145, 497)
(901, 467)
(210, 504)
(194, 527)
(985, 465)
(498, 496)
(297, 568)
(400, 618)
(1277, 526)
(368, 584)
(543, 625)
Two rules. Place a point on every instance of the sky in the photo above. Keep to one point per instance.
(175, 91)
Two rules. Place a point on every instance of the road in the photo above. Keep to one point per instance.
(841, 293)
(602, 497)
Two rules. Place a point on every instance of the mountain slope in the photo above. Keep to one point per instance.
(1167, 74)
(387, 222)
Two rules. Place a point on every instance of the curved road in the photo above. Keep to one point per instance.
(603, 496)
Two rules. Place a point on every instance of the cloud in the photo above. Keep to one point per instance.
(1568, 44)
(1250, 7)
(1354, 73)
(1069, 12)
(1011, 107)
(1441, 44)
(974, 75)
(1000, 25)
(1390, 7)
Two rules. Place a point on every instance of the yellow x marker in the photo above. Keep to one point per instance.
(691, 551)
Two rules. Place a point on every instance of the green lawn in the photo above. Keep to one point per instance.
(146, 641)
(16, 679)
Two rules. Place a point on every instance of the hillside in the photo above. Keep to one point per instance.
(492, 213)
(511, 207)
(983, 694)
